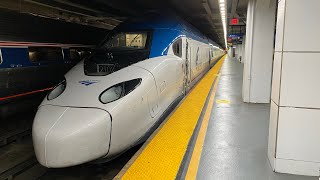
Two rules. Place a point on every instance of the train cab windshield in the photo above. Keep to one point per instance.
(121, 49)
(127, 40)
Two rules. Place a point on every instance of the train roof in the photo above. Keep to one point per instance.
(169, 21)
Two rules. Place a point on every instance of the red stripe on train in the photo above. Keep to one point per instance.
(24, 94)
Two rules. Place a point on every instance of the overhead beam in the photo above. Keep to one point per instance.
(78, 6)
(47, 11)
(57, 8)
(210, 16)
(234, 8)
(87, 9)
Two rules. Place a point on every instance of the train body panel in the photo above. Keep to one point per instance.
(135, 76)
(84, 91)
(60, 128)
(168, 74)
(139, 104)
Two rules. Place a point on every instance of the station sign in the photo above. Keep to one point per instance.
(235, 38)
(235, 35)
(234, 21)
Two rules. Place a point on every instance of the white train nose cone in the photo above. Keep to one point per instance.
(67, 136)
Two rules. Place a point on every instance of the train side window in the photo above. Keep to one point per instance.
(74, 55)
(1, 59)
(77, 54)
(177, 47)
(45, 54)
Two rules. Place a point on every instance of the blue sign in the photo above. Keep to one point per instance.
(88, 82)
(235, 35)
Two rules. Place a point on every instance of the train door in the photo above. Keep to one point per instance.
(187, 64)
(210, 56)
(189, 61)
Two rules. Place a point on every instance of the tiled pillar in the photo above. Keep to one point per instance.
(237, 51)
(240, 52)
(243, 49)
(259, 45)
(230, 52)
(294, 130)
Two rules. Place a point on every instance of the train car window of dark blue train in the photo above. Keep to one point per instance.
(45, 54)
(74, 55)
(1, 60)
(77, 54)
(177, 47)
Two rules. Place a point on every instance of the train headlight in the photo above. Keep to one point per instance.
(57, 90)
(119, 90)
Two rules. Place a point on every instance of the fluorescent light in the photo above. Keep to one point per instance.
(223, 14)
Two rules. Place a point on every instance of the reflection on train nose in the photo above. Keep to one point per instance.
(67, 136)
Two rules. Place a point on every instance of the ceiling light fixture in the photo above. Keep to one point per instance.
(222, 5)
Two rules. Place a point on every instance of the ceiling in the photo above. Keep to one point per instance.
(204, 14)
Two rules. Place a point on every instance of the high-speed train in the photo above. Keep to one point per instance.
(111, 100)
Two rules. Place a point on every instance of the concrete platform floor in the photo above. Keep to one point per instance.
(237, 137)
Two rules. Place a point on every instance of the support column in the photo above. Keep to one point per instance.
(243, 48)
(240, 52)
(237, 50)
(259, 51)
(230, 52)
(294, 130)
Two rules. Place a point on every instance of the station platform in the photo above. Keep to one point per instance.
(212, 134)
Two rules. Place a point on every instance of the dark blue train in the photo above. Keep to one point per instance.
(35, 53)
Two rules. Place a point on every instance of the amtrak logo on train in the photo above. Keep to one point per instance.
(88, 82)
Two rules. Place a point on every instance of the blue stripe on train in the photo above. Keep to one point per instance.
(13, 57)
(166, 29)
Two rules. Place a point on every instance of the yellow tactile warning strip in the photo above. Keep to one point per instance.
(197, 150)
(162, 157)
(223, 101)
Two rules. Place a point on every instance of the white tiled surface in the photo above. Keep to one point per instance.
(275, 91)
(273, 125)
(300, 85)
(298, 134)
(259, 52)
(294, 132)
(297, 167)
(302, 27)
(280, 25)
